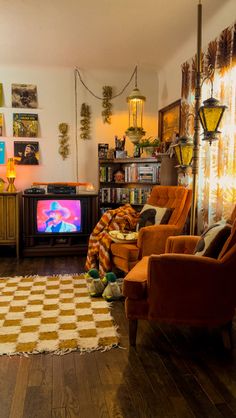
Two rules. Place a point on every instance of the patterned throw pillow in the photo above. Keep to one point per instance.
(212, 240)
(153, 215)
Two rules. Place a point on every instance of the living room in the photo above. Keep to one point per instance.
(66, 51)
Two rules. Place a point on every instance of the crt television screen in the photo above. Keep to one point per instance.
(58, 216)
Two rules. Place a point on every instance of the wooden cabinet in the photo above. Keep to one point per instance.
(130, 180)
(10, 219)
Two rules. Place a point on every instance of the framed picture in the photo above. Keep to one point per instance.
(24, 95)
(169, 121)
(26, 152)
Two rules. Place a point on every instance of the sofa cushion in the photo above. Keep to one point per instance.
(169, 197)
(135, 282)
(127, 251)
(212, 240)
(151, 215)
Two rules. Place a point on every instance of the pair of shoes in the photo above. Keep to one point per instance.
(108, 287)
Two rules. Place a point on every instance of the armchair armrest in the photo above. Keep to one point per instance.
(188, 288)
(152, 239)
(183, 244)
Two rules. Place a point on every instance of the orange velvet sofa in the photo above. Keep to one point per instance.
(152, 239)
(181, 288)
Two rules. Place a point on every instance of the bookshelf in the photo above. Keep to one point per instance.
(130, 180)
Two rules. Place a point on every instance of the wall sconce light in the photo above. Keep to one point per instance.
(135, 101)
(210, 115)
(11, 175)
(184, 151)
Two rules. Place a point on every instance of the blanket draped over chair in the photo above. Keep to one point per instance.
(123, 218)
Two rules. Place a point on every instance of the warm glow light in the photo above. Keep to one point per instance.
(11, 172)
(11, 175)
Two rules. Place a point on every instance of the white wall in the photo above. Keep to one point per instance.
(105, 133)
(56, 100)
(170, 76)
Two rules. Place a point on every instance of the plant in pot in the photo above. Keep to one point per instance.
(135, 134)
(150, 145)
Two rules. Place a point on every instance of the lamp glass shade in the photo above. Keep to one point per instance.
(184, 153)
(210, 115)
(136, 103)
(11, 172)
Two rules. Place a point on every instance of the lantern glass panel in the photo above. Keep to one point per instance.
(210, 117)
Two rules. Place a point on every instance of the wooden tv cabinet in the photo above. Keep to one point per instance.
(39, 244)
(10, 219)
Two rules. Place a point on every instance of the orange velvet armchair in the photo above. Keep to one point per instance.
(152, 239)
(181, 288)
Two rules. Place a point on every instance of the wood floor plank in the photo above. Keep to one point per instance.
(173, 372)
(70, 386)
(58, 393)
(18, 400)
(8, 371)
(91, 396)
(38, 400)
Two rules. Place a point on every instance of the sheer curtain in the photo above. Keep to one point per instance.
(217, 162)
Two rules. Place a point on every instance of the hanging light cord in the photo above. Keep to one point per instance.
(77, 73)
(116, 95)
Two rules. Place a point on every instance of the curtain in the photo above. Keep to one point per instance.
(217, 162)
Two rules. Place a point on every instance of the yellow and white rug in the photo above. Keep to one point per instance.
(53, 314)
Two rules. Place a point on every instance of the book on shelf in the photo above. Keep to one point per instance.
(122, 195)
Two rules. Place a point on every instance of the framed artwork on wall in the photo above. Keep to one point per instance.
(26, 152)
(169, 118)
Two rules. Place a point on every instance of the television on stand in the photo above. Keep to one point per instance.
(56, 224)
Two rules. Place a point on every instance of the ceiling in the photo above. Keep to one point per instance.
(97, 34)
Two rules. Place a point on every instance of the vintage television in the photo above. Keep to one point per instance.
(58, 223)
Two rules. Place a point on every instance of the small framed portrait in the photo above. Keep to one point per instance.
(169, 121)
(26, 152)
(119, 176)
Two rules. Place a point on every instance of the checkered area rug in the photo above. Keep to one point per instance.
(53, 314)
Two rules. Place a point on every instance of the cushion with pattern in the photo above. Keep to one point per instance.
(212, 240)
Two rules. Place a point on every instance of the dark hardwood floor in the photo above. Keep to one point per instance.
(174, 372)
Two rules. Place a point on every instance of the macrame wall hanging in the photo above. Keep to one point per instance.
(85, 121)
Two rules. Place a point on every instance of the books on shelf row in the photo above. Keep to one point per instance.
(133, 173)
(136, 196)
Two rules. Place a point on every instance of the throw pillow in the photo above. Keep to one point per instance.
(153, 215)
(212, 240)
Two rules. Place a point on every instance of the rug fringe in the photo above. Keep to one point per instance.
(62, 352)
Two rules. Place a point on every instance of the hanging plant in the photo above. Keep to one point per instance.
(85, 121)
(106, 104)
(63, 140)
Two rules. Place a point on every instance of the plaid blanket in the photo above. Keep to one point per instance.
(123, 218)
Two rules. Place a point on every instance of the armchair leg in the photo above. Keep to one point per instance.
(133, 326)
(226, 333)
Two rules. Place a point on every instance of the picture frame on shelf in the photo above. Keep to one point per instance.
(169, 121)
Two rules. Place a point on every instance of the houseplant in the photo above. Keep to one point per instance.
(135, 134)
(150, 145)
